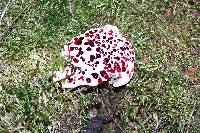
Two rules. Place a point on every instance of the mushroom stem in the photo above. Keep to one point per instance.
(110, 124)
(105, 102)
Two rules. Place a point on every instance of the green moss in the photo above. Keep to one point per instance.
(164, 34)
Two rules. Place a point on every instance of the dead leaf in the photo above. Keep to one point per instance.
(145, 61)
(191, 73)
(169, 13)
(173, 26)
(176, 40)
(194, 13)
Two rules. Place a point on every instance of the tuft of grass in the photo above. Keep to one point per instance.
(164, 94)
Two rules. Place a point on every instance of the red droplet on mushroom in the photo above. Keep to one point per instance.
(92, 57)
(91, 43)
(77, 41)
(104, 74)
(98, 49)
(75, 60)
(81, 78)
(88, 80)
(95, 75)
(87, 34)
(88, 49)
(70, 80)
(100, 81)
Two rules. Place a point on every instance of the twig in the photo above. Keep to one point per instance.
(155, 116)
(190, 119)
(18, 128)
(71, 7)
(9, 27)
(4, 11)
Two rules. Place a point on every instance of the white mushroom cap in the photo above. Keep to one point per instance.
(100, 54)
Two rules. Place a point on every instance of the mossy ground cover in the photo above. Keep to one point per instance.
(164, 94)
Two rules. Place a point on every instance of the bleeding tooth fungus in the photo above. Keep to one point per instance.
(99, 55)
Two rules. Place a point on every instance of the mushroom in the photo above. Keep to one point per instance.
(99, 55)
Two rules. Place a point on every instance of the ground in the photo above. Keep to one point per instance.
(163, 96)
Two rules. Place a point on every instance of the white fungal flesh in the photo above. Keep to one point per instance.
(100, 54)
